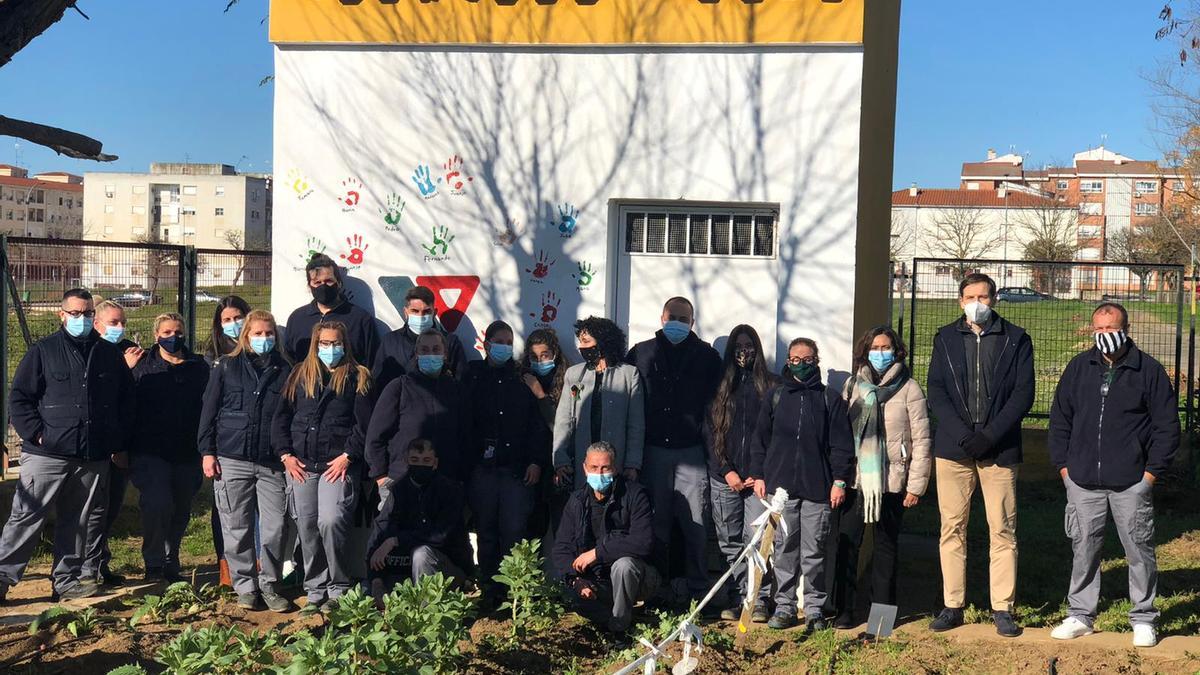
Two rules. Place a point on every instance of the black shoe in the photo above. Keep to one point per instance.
(1006, 625)
(949, 618)
(845, 621)
(760, 614)
(153, 574)
(110, 578)
(86, 588)
(4, 592)
(277, 603)
(783, 620)
(815, 623)
(172, 577)
(731, 614)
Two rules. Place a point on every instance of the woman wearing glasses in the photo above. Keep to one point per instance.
(318, 433)
(802, 444)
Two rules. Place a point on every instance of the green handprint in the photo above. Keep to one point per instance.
(315, 246)
(393, 210)
(586, 274)
(441, 237)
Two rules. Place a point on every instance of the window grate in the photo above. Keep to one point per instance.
(744, 232)
(656, 232)
(698, 238)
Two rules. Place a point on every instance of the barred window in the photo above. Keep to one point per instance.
(744, 232)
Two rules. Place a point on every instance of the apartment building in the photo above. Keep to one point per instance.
(201, 205)
(46, 205)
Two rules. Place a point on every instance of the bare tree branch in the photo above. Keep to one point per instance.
(61, 141)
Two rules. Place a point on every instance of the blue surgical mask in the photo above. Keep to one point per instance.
(233, 329)
(419, 323)
(331, 355)
(172, 344)
(542, 368)
(77, 326)
(114, 333)
(676, 331)
(431, 364)
(500, 353)
(262, 345)
(600, 482)
(881, 360)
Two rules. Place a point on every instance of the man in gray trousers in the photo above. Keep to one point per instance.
(72, 404)
(1114, 429)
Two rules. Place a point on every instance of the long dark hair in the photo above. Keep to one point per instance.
(609, 337)
(219, 344)
(862, 348)
(720, 413)
(548, 338)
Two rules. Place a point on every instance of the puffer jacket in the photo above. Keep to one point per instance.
(905, 428)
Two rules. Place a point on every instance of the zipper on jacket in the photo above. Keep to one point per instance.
(1100, 425)
(978, 374)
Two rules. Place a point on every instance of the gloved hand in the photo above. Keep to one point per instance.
(978, 446)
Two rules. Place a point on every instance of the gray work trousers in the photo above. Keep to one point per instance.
(248, 492)
(731, 513)
(427, 561)
(1133, 514)
(167, 491)
(801, 552)
(324, 513)
(629, 580)
(501, 504)
(73, 490)
(678, 482)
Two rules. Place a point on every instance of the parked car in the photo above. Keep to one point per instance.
(205, 296)
(1021, 294)
(133, 298)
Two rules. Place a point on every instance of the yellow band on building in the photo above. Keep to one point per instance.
(567, 22)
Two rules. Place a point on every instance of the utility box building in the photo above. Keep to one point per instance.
(540, 161)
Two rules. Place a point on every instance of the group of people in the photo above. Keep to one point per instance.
(377, 455)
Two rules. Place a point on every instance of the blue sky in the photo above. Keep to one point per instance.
(163, 80)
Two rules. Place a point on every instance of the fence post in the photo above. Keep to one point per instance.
(4, 351)
(188, 264)
(912, 315)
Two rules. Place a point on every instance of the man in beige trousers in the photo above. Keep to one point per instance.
(980, 387)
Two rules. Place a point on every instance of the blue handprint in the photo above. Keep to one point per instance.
(567, 215)
(424, 181)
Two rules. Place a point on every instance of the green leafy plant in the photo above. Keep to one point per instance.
(180, 597)
(128, 669)
(219, 650)
(51, 616)
(79, 622)
(430, 618)
(534, 604)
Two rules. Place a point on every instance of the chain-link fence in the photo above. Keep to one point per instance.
(1053, 302)
(145, 279)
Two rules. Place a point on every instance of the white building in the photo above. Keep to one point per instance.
(541, 162)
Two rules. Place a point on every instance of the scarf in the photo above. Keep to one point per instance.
(870, 443)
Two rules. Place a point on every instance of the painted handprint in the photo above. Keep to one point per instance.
(550, 303)
(585, 274)
(568, 219)
(441, 239)
(351, 193)
(299, 183)
(542, 265)
(508, 235)
(357, 250)
(392, 211)
(424, 181)
(314, 246)
(479, 343)
(455, 175)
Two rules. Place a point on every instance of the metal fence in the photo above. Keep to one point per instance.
(1053, 301)
(145, 279)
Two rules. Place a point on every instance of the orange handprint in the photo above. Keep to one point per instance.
(455, 175)
(351, 192)
(550, 303)
(357, 250)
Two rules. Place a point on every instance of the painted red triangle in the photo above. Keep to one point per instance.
(466, 286)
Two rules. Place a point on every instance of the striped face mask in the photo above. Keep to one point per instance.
(1110, 343)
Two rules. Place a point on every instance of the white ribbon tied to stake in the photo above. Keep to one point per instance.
(774, 507)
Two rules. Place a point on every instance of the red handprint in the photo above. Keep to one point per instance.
(454, 174)
(351, 191)
(479, 344)
(357, 250)
(550, 303)
(542, 265)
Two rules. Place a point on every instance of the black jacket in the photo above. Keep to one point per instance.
(430, 516)
(1011, 385)
(627, 522)
(169, 399)
(320, 428)
(360, 329)
(49, 400)
(238, 406)
(802, 441)
(747, 403)
(680, 381)
(505, 411)
(1106, 437)
(415, 406)
(397, 355)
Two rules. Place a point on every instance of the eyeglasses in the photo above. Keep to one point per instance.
(810, 360)
(76, 313)
(329, 343)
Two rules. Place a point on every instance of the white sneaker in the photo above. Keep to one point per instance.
(1070, 629)
(1144, 635)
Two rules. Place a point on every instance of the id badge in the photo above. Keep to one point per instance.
(489, 448)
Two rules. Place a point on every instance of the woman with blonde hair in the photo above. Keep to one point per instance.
(318, 432)
(248, 481)
(165, 464)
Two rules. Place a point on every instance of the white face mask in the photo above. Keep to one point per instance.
(977, 312)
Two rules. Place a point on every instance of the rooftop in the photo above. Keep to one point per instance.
(980, 199)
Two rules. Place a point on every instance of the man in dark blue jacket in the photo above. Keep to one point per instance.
(980, 387)
(1114, 429)
(680, 373)
(603, 542)
(397, 353)
(329, 303)
(72, 404)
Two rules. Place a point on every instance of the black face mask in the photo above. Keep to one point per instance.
(420, 475)
(326, 295)
(591, 355)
